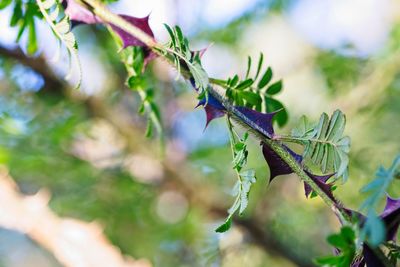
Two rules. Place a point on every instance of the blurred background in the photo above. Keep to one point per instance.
(80, 184)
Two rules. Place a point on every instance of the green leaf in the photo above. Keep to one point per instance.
(274, 105)
(245, 178)
(62, 29)
(32, 41)
(171, 34)
(233, 82)
(260, 62)
(248, 67)
(4, 3)
(149, 129)
(325, 144)
(17, 14)
(374, 229)
(266, 78)
(346, 242)
(303, 129)
(225, 226)
(275, 88)
(244, 84)
(250, 97)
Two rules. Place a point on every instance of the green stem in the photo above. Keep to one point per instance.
(219, 93)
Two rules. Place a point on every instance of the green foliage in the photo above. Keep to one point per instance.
(178, 48)
(345, 241)
(374, 229)
(324, 143)
(340, 72)
(23, 17)
(245, 178)
(59, 22)
(394, 252)
(133, 58)
(257, 92)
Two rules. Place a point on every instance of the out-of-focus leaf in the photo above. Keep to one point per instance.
(345, 242)
(275, 88)
(242, 189)
(266, 78)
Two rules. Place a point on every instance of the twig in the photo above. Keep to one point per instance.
(101, 11)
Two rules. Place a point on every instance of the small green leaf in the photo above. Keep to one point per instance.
(248, 67)
(225, 226)
(233, 82)
(244, 84)
(274, 88)
(149, 129)
(303, 129)
(17, 14)
(4, 3)
(171, 34)
(32, 42)
(250, 97)
(266, 78)
(274, 105)
(260, 62)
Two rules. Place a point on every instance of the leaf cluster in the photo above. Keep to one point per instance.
(133, 58)
(245, 180)
(59, 22)
(324, 143)
(257, 92)
(183, 57)
(23, 17)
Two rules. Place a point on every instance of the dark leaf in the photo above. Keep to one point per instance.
(261, 120)
(128, 39)
(321, 180)
(213, 108)
(277, 166)
(225, 226)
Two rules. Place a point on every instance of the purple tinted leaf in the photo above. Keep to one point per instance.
(391, 205)
(277, 166)
(128, 39)
(370, 258)
(78, 14)
(391, 217)
(262, 120)
(213, 108)
(321, 182)
(212, 113)
(199, 53)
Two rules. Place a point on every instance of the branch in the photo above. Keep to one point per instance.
(216, 91)
(265, 239)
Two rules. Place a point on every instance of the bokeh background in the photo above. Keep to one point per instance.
(79, 180)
